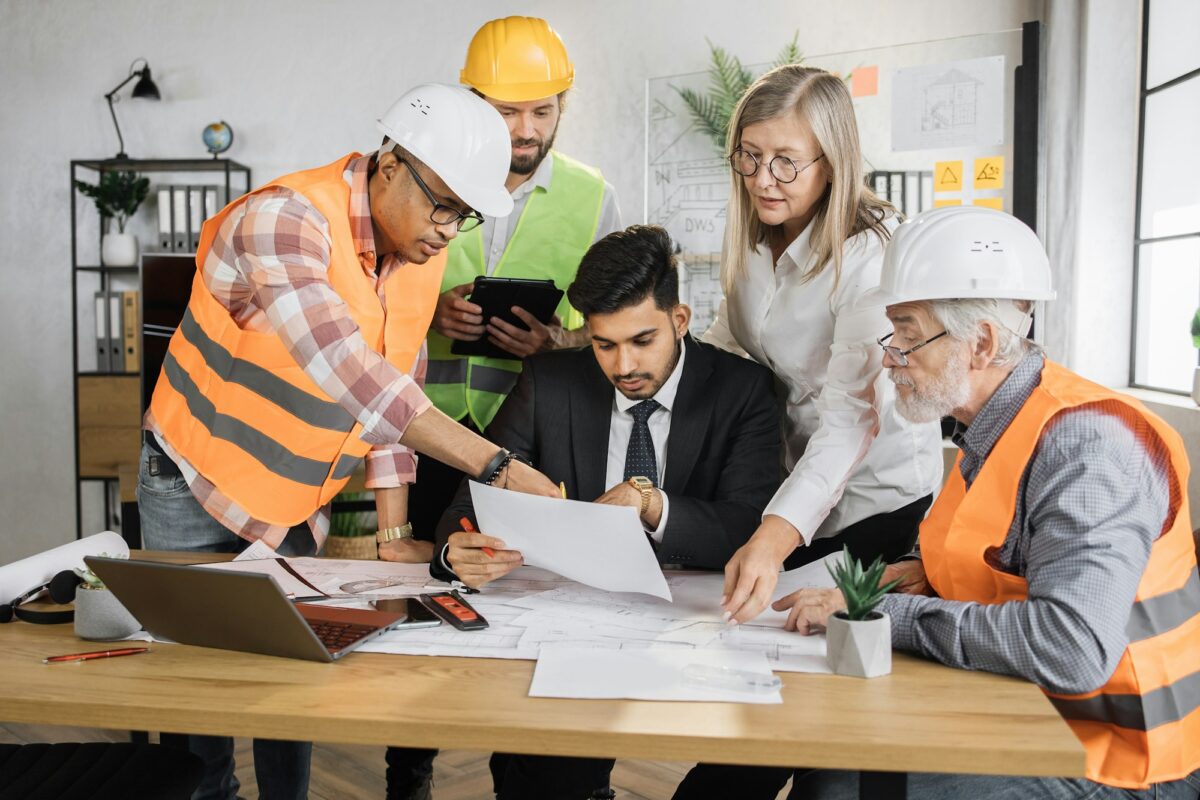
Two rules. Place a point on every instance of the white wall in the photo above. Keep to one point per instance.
(301, 83)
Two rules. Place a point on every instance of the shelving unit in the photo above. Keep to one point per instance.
(107, 404)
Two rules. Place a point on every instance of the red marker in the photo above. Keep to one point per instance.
(466, 526)
(127, 651)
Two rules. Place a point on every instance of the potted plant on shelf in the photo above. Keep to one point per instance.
(99, 615)
(117, 196)
(859, 639)
(1196, 344)
(352, 533)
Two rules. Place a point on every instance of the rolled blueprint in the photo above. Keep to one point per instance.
(21, 576)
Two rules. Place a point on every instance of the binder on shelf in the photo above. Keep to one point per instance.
(179, 219)
(116, 342)
(130, 328)
(165, 229)
(102, 349)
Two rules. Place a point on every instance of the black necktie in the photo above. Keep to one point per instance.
(639, 458)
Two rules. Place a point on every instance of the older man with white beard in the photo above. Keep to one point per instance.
(1060, 549)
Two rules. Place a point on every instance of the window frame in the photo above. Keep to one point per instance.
(1144, 92)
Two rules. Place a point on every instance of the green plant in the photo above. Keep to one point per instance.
(860, 587)
(90, 579)
(1196, 330)
(728, 81)
(117, 195)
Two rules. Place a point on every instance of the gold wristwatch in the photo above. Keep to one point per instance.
(645, 486)
(386, 535)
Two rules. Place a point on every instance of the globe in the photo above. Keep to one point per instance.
(218, 137)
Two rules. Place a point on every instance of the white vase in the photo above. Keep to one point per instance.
(860, 648)
(99, 616)
(119, 250)
(1196, 386)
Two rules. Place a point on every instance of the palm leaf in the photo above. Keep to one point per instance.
(790, 54)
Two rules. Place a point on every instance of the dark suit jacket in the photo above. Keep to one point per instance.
(723, 462)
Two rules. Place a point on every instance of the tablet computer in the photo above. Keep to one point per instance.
(497, 296)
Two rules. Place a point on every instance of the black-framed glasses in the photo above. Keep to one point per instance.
(901, 356)
(782, 168)
(443, 214)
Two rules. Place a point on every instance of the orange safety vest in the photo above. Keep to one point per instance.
(238, 407)
(1143, 726)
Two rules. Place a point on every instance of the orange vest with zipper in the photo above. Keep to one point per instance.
(238, 407)
(1143, 726)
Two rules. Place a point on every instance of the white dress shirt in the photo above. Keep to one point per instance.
(620, 430)
(849, 453)
(497, 230)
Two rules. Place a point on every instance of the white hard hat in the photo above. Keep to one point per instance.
(962, 252)
(459, 136)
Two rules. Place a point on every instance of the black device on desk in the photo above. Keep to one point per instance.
(497, 296)
(451, 607)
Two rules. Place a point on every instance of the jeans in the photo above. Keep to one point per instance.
(822, 784)
(172, 519)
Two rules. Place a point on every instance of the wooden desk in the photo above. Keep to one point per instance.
(922, 717)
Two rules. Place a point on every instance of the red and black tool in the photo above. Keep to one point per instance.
(451, 607)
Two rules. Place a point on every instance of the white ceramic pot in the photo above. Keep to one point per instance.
(119, 250)
(99, 616)
(862, 649)
(1196, 386)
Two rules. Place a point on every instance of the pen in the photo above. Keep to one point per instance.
(562, 488)
(128, 651)
(466, 526)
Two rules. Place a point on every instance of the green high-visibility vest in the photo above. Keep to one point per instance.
(555, 229)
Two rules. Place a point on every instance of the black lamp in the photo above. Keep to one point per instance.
(145, 88)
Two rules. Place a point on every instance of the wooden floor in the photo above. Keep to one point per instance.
(341, 772)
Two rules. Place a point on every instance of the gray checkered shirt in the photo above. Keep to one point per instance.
(1092, 500)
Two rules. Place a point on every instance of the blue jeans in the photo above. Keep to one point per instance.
(172, 519)
(825, 784)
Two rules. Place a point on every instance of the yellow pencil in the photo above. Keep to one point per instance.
(562, 487)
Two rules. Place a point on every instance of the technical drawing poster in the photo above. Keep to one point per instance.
(953, 104)
(687, 187)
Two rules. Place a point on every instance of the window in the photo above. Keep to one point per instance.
(1166, 258)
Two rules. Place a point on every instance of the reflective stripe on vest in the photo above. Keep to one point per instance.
(236, 405)
(1143, 726)
(555, 229)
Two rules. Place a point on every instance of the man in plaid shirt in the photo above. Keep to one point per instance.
(291, 271)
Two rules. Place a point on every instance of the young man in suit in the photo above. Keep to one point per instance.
(648, 418)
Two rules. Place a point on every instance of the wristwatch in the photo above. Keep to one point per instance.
(396, 532)
(645, 486)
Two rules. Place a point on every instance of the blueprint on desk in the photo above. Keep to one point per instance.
(531, 609)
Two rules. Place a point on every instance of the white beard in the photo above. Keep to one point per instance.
(943, 393)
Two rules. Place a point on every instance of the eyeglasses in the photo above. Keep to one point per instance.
(443, 214)
(782, 168)
(901, 356)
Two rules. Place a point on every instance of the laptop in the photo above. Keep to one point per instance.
(240, 611)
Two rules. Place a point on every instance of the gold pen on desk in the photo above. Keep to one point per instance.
(562, 488)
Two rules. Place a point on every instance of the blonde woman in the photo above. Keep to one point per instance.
(804, 241)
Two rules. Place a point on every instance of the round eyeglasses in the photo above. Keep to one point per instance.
(782, 168)
(901, 356)
(444, 214)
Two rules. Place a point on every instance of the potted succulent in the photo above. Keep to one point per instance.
(99, 615)
(117, 196)
(1196, 344)
(352, 533)
(859, 639)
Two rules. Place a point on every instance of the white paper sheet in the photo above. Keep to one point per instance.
(21, 576)
(598, 545)
(641, 674)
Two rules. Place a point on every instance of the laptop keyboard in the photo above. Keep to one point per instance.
(337, 635)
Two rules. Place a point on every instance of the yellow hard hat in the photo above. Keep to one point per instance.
(517, 59)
